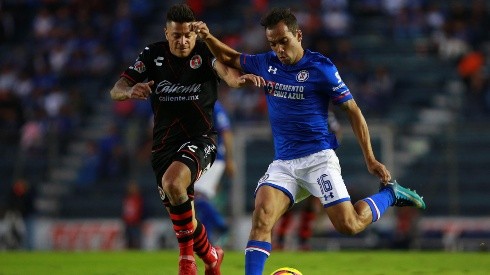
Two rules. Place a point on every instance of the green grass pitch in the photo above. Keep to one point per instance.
(309, 263)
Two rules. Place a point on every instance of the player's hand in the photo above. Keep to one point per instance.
(251, 79)
(141, 90)
(378, 169)
(201, 29)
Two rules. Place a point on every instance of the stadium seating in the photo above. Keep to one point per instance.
(452, 174)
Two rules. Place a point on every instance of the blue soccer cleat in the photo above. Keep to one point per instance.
(404, 196)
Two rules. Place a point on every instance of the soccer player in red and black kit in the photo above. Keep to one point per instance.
(181, 77)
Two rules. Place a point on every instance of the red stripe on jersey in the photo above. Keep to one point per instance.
(339, 98)
(202, 114)
(184, 129)
(164, 136)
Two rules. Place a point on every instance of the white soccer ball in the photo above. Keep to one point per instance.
(286, 271)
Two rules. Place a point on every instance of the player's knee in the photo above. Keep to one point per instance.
(171, 186)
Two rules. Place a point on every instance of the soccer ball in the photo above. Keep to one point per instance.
(286, 271)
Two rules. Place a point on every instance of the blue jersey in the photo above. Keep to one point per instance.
(221, 123)
(297, 100)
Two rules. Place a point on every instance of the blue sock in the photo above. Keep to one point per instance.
(256, 254)
(380, 202)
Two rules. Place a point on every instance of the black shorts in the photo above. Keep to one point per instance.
(197, 153)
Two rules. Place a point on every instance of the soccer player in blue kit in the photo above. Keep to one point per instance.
(299, 86)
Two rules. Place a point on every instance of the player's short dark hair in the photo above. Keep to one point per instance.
(180, 13)
(277, 15)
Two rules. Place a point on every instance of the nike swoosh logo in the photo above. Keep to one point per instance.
(184, 156)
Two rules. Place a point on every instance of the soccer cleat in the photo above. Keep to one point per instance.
(404, 196)
(215, 270)
(187, 267)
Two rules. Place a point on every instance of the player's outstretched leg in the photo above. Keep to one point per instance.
(404, 196)
(211, 256)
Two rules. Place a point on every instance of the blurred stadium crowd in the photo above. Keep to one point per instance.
(59, 57)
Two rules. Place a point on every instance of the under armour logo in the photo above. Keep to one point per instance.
(327, 196)
(184, 156)
(273, 70)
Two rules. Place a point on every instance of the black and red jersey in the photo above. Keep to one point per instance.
(183, 94)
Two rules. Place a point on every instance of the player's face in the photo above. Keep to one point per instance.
(180, 38)
(284, 43)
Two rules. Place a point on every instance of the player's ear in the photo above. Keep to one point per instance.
(299, 35)
(165, 32)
